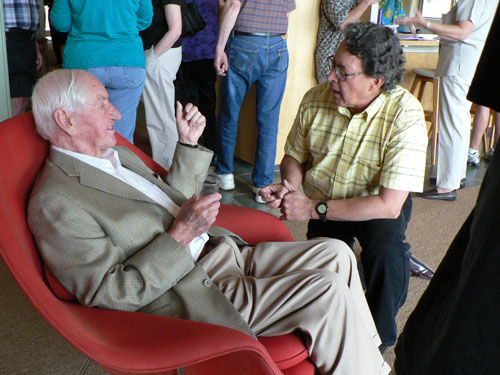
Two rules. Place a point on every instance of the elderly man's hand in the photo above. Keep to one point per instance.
(190, 123)
(195, 217)
(273, 194)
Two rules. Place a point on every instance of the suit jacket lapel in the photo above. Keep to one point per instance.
(95, 178)
(131, 161)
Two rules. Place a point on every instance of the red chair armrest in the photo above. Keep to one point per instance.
(253, 225)
(124, 342)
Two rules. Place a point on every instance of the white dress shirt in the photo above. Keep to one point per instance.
(110, 163)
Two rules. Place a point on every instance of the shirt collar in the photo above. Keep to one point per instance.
(109, 160)
(369, 112)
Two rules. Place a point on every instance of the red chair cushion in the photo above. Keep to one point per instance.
(303, 368)
(285, 350)
(56, 287)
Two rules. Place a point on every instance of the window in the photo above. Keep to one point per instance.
(435, 8)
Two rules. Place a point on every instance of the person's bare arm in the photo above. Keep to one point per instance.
(174, 21)
(355, 14)
(229, 16)
(460, 31)
(295, 206)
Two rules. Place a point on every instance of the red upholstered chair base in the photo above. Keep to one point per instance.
(128, 342)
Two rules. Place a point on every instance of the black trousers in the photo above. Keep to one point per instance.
(195, 83)
(385, 266)
(58, 38)
(21, 60)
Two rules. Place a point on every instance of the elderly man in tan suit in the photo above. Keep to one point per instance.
(118, 237)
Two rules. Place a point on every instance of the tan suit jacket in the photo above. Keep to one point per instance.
(107, 243)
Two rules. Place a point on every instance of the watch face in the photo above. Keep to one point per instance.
(322, 208)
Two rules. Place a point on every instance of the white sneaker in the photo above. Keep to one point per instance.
(226, 181)
(258, 198)
(489, 155)
(473, 158)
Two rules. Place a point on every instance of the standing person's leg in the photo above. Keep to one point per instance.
(497, 129)
(386, 266)
(202, 74)
(159, 97)
(270, 88)
(21, 61)
(124, 85)
(311, 286)
(479, 125)
(454, 133)
(58, 39)
(242, 57)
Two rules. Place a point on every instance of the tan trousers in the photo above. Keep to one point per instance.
(311, 286)
(159, 98)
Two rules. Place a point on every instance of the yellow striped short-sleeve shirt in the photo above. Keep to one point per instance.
(348, 155)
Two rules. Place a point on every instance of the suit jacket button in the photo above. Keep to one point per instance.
(207, 283)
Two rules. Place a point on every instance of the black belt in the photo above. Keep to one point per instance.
(244, 33)
(22, 32)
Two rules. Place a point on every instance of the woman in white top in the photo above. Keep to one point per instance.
(463, 34)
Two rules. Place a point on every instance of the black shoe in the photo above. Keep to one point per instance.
(432, 180)
(434, 194)
(420, 269)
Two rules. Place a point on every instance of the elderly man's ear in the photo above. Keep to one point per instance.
(63, 120)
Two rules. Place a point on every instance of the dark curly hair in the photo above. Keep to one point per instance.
(379, 50)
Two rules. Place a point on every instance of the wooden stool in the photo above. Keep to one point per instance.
(422, 77)
(491, 124)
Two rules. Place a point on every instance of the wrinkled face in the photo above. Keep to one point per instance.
(357, 91)
(93, 124)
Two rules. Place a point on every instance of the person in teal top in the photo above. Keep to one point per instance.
(104, 40)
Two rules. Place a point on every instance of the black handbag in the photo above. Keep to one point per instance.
(192, 21)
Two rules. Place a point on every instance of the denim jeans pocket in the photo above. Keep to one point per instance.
(134, 76)
(241, 59)
(282, 62)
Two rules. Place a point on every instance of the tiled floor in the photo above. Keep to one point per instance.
(242, 195)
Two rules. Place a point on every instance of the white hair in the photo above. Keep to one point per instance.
(61, 88)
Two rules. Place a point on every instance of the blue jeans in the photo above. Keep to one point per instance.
(263, 61)
(124, 85)
(385, 263)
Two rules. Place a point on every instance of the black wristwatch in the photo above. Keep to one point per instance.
(322, 210)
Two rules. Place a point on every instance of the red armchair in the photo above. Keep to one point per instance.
(149, 344)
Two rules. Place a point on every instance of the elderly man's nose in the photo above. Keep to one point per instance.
(115, 113)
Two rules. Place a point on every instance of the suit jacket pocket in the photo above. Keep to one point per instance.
(168, 304)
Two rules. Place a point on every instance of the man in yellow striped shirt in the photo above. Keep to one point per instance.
(358, 147)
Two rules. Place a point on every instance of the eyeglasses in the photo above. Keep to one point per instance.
(340, 72)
